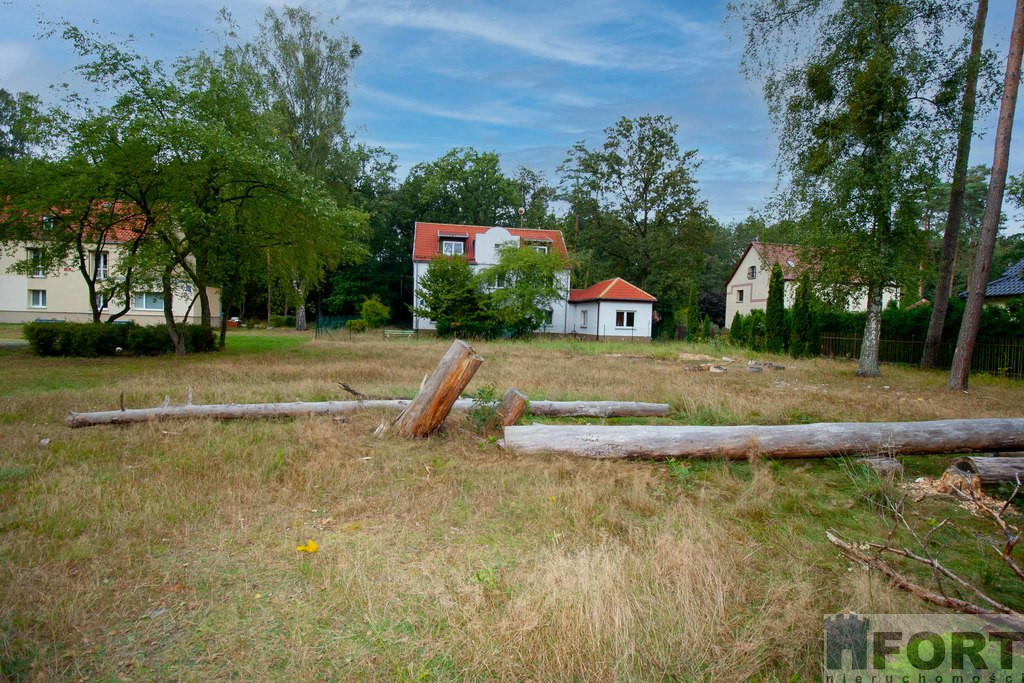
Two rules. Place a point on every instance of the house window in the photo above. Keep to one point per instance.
(751, 272)
(541, 248)
(583, 317)
(36, 257)
(739, 296)
(101, 266)
(101, 302)
(37, 298)
(452, 248)
(149, 301)
(547, 317)
(625, 318)
(499, 281)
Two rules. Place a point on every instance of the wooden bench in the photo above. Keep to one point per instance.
(399, 333)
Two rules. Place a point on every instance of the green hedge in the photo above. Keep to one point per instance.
(104, 339)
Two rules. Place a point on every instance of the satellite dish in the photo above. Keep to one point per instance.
(521, 210)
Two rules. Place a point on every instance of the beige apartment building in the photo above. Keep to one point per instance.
(62, 294)
(747, 288)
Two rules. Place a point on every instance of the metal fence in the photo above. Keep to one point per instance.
(328, 326)
(1003, 357)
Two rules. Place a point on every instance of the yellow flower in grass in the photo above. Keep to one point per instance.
(310, 547)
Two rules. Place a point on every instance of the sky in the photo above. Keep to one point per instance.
(526, 79)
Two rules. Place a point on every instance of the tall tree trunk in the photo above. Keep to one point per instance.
(993, 205)
(177, 336)
(868, 366)
(955, 214)
(300, 307)
(204, 306)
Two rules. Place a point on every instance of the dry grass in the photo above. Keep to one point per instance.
(168, 550)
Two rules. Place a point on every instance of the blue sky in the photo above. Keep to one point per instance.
(524, 79)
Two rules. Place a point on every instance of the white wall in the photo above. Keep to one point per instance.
(642, 319)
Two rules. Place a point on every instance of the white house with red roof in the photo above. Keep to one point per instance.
(610, 309)
(747, 287)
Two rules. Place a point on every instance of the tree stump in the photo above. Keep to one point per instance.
(512, 407)
(438, 394)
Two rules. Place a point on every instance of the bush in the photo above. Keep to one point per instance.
(77, 339)
(198, 339)
(151, 340)
(356, 325)
(375, 313)
(88, 340)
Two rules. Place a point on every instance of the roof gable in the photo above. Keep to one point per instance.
(783, 255)
(615, 289)
(427, 239)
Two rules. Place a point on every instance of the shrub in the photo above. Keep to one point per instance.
(151, 340)
(279, 321)
(77, 339)
(198, 339)
(356, 325)
(375, 313)
(738, 330)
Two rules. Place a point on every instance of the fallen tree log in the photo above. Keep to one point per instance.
(238, 411)
(782, 441)
(991, 470)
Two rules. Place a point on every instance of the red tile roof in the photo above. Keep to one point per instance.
(122, 224)
(615, 289)
(427, 238)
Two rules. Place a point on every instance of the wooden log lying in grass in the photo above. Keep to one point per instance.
(783, 441)
(431, 406)
(238, 411)
(991, 470)
(512, 407)
(598, 409)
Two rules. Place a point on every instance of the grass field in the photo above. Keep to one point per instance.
(160, 551)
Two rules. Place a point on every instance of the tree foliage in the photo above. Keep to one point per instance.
(775, 312)
(532, 283)
(859, 132)
(639, 210)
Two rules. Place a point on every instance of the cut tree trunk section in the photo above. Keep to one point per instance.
(431, 406)
(512, 407)
(784, 441)
(991, 470)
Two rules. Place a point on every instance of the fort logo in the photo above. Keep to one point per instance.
(923, 648)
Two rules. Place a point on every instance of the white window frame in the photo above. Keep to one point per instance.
(37, 298)
(583, 318)
(102, 265)
(540, 248)
(101, 301)
(144, 295)
(626, 315)
(549, 317)
(36, 257)
(445, 244)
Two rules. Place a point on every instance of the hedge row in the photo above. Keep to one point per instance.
(104, 339)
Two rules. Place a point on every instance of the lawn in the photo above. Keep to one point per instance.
(159, 551)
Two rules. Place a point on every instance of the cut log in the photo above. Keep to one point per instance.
(237, 411)
(884, 466)
(512, 407)
(598, 409)
(783, 441)
(991, 470)
(431, 406)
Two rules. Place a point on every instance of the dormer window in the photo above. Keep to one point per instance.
(453, 247)
(751, 272)
(540, 248)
